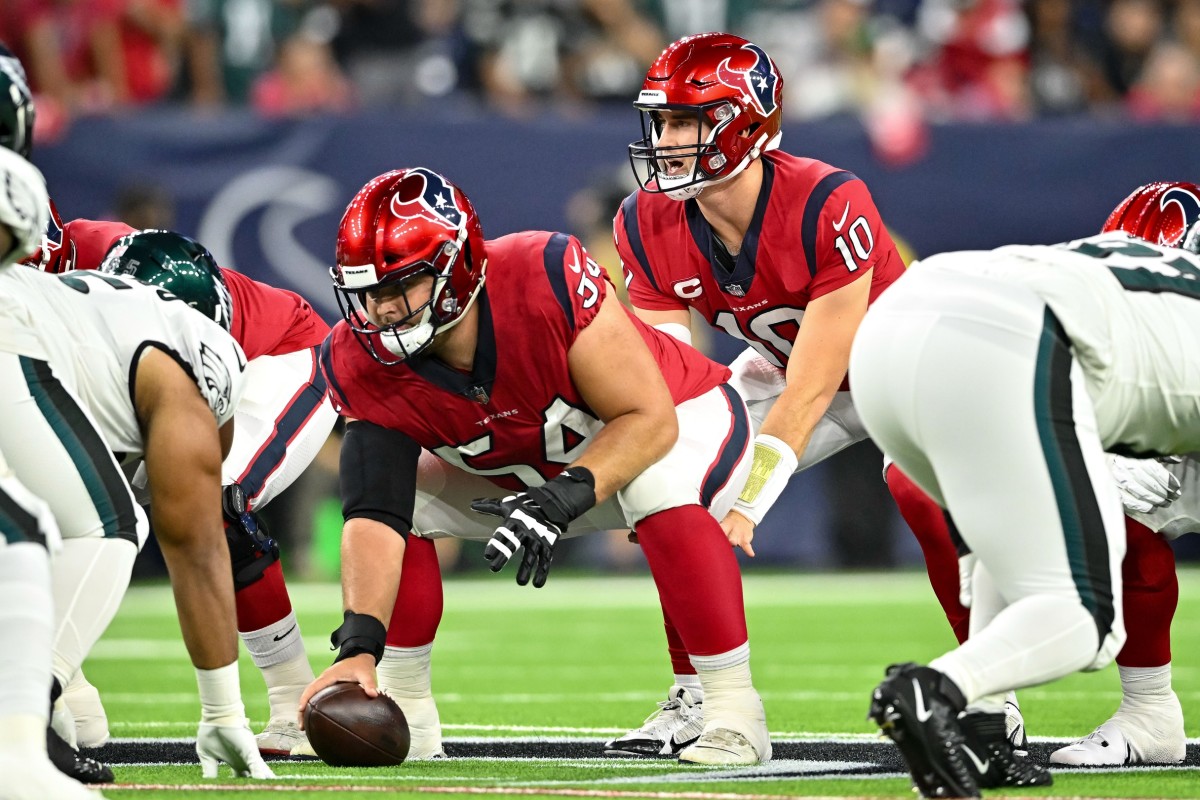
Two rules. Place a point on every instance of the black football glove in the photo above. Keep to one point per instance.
(534, 520)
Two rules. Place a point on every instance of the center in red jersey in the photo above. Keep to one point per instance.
(517, 417)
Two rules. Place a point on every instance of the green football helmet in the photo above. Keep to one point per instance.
(182, 266)
(16, 105)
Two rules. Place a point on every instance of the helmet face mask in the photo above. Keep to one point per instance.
(734, 90)
(651, 160)
(173, 262)
(414, 332)
(402, 226)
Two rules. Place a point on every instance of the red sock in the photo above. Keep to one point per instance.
(263, 602)
(1151, 596)
(928, 523)
(680, 663)
(418, 609)
(697, 576)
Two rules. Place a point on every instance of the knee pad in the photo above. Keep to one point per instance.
(251, 548)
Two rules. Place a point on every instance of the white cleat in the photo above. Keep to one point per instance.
(424, 727)
(1014, 725)
(735, 731)
(1124, 741)
(37, 779)
(283, 737)
(677, 723)
(91, 720)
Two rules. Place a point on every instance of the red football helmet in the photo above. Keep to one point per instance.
(735, 90)
(402, 224)
(1164, 213)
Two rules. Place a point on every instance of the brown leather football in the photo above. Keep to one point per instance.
(348, 729)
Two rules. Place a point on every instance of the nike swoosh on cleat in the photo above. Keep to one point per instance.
(923, 713)
(982, 766)
(285, 633)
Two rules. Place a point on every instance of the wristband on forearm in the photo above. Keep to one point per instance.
(774, 463)
(359, 633)
(567, 496)
(220, 695)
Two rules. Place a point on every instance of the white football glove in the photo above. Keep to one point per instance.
(225, 733)
(1144, 483)
(24, 205)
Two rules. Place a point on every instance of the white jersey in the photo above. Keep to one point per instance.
(1131, 310)
(93, 328)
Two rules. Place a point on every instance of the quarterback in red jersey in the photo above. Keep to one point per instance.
(540, 382)
(281, 422)
(784, 253)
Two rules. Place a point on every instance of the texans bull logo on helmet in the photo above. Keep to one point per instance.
(756, 82)
(431, 198)
(1188, 203)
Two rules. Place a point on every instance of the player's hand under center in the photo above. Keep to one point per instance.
(358, 669)
(739, 531)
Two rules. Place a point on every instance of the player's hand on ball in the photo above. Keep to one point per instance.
(739, 531)
(358, 669)
(525, 525)
(232, 744)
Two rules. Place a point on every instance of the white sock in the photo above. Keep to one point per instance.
(691, 682)
(1145, 686)
(278, 642)
(1032, 641)
(89, 580)
(405, 671)
(286, 681)
(27, 627)
(988, 704)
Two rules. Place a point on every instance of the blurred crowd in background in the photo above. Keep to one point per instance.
(895, 63)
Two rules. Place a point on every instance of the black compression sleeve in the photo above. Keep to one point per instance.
(378, 475)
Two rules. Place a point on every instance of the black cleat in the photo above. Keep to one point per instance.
(917, 708)
(991, 757)
(73, 765)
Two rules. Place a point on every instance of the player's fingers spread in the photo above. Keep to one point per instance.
(260, 770)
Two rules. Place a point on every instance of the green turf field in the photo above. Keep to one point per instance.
(529, 682)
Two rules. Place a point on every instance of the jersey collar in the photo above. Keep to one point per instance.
(738, 281)
(476, 386)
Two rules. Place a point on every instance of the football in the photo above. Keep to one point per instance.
(347, 728)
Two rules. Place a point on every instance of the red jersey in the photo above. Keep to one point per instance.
(517, 417)
(266, 321)
(815, 229)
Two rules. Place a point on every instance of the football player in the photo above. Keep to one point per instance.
(997, 380)
(282, 420)
(782, 252)
(134, 373)
(29, 536)
(1148, 728)
(536, 382)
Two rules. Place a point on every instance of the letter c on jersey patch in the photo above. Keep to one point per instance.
(689, 288)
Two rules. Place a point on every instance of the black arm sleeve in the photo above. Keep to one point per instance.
(378, 475)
